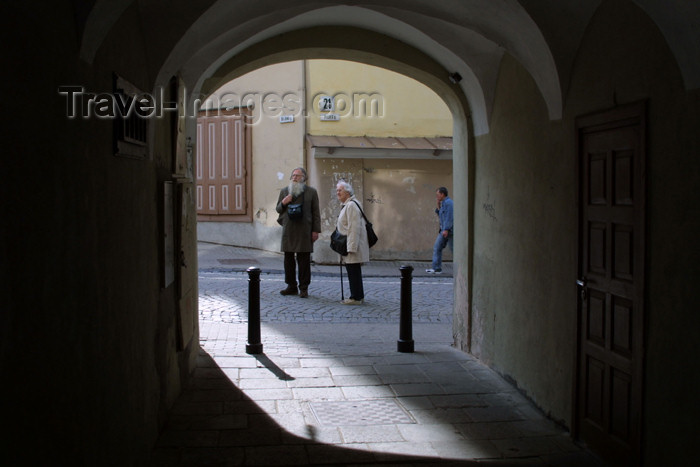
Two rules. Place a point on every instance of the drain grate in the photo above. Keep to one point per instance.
(368, 412)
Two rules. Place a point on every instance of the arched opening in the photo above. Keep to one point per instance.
(438, 79)
(358, 45)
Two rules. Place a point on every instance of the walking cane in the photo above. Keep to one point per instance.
(342, 294)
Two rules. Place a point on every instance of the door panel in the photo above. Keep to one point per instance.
(608, 406)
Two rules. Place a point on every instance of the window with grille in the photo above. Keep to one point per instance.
(130, 128)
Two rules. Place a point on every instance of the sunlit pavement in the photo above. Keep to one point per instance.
(330, 387)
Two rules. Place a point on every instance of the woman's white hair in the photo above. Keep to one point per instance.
(346, 187)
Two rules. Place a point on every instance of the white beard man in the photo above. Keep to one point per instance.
(298, 235)
(296, 188)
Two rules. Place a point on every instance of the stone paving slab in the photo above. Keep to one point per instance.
(262, 409)
(454, 429)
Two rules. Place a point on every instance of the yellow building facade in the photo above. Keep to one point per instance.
(386, 134)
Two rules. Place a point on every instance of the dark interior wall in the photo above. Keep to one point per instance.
(638, 65)
(624, 58)
(524, 216)
(524, 298)
(88, 333)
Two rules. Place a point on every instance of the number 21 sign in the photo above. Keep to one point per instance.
(326, 104)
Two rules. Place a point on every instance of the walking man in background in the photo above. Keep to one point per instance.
(300, 218)
(445, 214)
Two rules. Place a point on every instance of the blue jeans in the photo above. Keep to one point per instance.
(440, 244)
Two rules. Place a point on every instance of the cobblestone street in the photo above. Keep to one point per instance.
(223, 297)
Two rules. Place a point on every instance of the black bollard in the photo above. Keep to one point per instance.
(405, 342)
(254, 345)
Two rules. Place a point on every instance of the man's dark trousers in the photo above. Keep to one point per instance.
(304, 262)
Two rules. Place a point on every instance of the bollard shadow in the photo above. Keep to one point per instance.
(459, 412)
(213, 423)
(272, 366)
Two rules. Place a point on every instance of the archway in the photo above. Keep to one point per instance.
(206, 64)
(356, 45)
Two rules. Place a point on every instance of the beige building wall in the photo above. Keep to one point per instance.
(398, 195)
(373, 101)
(277, 149)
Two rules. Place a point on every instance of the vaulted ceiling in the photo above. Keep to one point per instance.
(195, 39)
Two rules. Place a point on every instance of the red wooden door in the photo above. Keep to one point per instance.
(221, 165)
(611, 283)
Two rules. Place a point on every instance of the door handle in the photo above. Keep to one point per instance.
(583, 282)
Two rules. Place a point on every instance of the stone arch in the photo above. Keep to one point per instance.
(212, 42)
(414, 64)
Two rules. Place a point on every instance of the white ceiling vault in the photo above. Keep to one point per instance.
(469, 37)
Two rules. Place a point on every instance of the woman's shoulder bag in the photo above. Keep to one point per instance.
(371, 236)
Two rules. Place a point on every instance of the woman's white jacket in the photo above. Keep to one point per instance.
(351, 223)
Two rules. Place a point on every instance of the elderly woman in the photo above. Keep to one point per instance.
(351, 223)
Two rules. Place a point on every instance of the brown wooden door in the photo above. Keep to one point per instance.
(221, 165)
(609, 385)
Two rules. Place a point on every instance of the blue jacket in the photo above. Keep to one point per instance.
(445, 214)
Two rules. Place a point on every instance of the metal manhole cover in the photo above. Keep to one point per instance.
(369, 412)
(239, 261)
